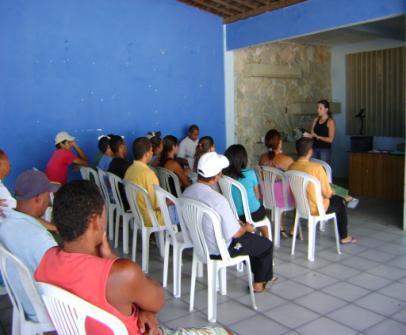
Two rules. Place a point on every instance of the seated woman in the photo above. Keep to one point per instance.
(169, 161)
(275, 158)
(238, 158)
(206, 144)
(157, 146)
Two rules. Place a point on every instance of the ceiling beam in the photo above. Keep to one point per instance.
(266, 8)
(246, 3)
(225, 12)
(227, 4)
(206, 9)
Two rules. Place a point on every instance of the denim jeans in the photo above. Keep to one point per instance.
(322, 154)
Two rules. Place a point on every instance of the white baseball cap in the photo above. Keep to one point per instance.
(211, 164)
(63, 136)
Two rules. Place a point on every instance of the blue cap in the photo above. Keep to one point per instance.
(31, 183)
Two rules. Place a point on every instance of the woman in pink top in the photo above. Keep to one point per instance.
(62, 158)
(275, 158)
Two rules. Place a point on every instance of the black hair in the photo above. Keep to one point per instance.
(75, 204)
(192, 128)
(205, 179)
(205, 143)
(58, 146)
(141, 146)
(2, 154)
(272, 140)
(115, 142)
(155, 139)
(238, 158)
(326, 105)
(103, 143)
(303, 146)
(169, 142)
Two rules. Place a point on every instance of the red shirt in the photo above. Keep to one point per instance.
(57, 167)
(86, 277)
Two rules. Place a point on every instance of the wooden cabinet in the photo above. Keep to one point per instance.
(376, 175)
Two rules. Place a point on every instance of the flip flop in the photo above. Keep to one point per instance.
(351, 241)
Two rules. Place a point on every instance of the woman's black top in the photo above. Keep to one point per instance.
(321, 129)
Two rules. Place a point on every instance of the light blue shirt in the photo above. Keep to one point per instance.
(28, 240)
(104, 162)
(249, 181)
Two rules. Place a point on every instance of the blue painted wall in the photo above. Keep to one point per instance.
(308, 17)
(93, 67)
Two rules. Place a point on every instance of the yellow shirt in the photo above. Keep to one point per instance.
(317, 171)
(139, 173)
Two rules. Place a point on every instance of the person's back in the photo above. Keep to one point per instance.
(187, 146)
(141, 174)
(7, 200)
(68, 270)
(21, 232)
(316, 170)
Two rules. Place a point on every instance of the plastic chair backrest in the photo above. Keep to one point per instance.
(115, 181)
(69, 312)
(226, 185)
(94, 177)
(135, 194)
(299, 183)
(8, 263)
(84, 172)
(326, 167)
(165, 176)
(106, 186)
(271, 176)
(162, 197)
(266, 201)
(196, 214)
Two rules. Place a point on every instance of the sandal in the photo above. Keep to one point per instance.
(350, 241)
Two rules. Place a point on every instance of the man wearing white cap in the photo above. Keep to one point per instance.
(62, 158)
(238, 236)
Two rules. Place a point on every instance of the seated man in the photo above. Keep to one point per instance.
(87, 267)
(141, 174)
(62, 158)
(119, 164)
(22, 233)
(332, 203)
(187, 146)
(8, 202)
(106, 153)
(238, 236)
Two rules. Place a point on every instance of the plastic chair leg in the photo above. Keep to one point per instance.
(166, 262)
(160, 238)
(200, 270)
(311, 247)
(277, 223)
(145, 250)
(211, 292)
(193, 283)
(125, 233)
(176, 289)
(16, 326)
(296, 224)
(179, 272)
(337, 236)
(110, 223)
(223, 281)
(250, 280)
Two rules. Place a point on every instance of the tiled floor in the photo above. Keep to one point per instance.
(361, 291)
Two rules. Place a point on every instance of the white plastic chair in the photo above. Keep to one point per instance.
(126, 216)
(69, 312)
(135, 193)
(266, 201)
(226, 184)
(89, 173)
(195, 215)
(111, 206)
(299, 183)
(327, 168)
(165, 177)
(271, 176)
(179, 240)
(21, 324)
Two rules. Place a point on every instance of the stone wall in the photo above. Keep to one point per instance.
(261, 102)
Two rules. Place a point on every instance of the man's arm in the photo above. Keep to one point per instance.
(81, 159)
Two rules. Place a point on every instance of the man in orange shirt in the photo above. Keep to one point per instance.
(332, 203)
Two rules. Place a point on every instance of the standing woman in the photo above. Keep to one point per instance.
(323, 131)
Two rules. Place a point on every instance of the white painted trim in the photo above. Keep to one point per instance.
(229, 92)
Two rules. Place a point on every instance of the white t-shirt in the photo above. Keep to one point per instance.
(216, 201)
(187, 150)
(5, 194)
